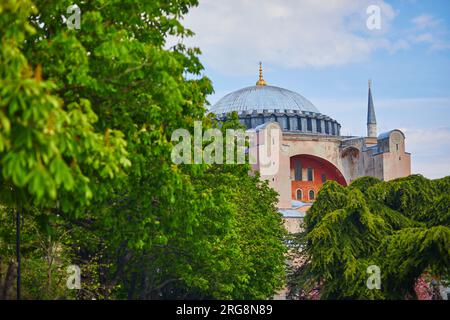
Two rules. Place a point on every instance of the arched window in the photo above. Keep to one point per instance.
(308, 124)
(319, 125)
(299, 194)
(248, 122)
(311, 194)
(327, 127)
(310, 174)
(299, 120)
(283, 121)
(298, 170)
(293, 125)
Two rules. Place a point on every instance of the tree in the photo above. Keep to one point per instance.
(401, 226)
(50, 153)
(48, 146)
(233, 249)
(115, 93)
(45, 256)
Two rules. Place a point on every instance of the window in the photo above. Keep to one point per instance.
(293, 123)
(311, 194)
(248, 122)
(298, 170)
(333, 129)
(310, 174)
(319, 125)
(327, 127)
(324, 178)
(299, 194)
(299, 123)
(259, 120)
(308, 124)
(283, 121)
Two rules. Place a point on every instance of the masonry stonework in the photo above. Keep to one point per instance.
(311, 148)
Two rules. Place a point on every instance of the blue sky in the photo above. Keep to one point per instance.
(324, 51)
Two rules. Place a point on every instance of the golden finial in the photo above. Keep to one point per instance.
(261, 81)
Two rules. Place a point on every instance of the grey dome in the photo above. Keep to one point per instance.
(259, 98)
(261, 104)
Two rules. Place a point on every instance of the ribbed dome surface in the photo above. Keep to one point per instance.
(261, 98)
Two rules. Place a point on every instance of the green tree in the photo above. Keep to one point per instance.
(45, 256)
(48, 147)
(233, 249)
(115, 92)
(401, 226)
(51, 155)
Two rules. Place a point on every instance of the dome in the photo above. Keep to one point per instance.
(263, 97)
(260, 104)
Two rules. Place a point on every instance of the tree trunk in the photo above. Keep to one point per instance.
(7, 286)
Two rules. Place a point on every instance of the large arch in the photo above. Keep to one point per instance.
(315, 171)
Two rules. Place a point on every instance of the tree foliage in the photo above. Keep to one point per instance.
(86, 117)
(401, 226)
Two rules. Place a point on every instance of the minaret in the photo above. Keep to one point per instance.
(371, 119)
(261, 81)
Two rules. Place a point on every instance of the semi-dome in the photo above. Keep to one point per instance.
(262, 103)
(263, 97)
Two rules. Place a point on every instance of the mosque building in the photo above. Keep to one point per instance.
(312, 149)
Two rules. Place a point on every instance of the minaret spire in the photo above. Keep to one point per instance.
(371, 119)
(261, 81)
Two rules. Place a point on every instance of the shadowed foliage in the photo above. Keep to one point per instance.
(401, 226)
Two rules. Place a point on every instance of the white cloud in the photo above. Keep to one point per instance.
(434, 41)
(431, 142)
(430, 149)
(423, 37)
(429, 30)
(235, 34)
(425, 21)
(411, 103)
